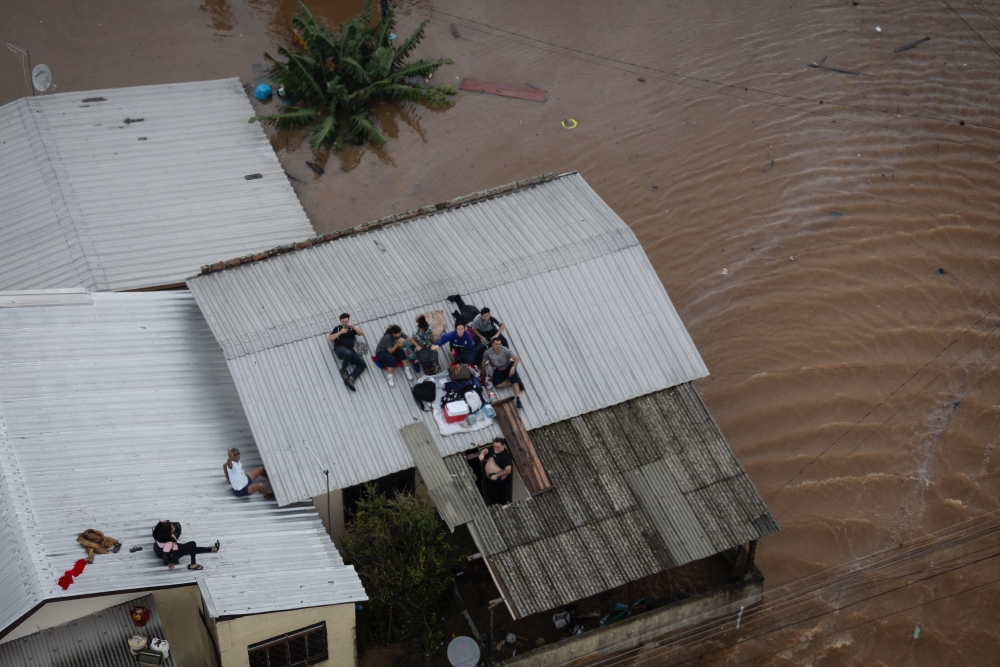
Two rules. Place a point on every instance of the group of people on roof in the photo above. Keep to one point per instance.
(482, 344)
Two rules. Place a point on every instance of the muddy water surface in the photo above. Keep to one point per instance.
(831, 240)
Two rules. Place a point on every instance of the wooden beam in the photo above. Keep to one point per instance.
(521, 448)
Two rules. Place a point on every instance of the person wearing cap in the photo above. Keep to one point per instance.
(244, 483)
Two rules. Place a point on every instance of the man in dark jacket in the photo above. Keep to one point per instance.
(344, 336)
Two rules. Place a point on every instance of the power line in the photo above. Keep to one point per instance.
(702, 652)
(687, 79)
(884, 400)
(945, 538)
(887, 420)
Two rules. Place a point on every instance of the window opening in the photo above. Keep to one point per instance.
(301, 647)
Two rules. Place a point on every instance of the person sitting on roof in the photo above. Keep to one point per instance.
(166, 547)
(390, 351)
(423, 341)
(244, 483)
(487, 328)
(463, 345)
(498, 468)
(504, 363)
(343, 338)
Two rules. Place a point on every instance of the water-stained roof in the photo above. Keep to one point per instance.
(638, 488)
(128, 188)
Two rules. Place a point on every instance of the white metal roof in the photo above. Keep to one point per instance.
(584, 308)
(119, 414)
(136, 187)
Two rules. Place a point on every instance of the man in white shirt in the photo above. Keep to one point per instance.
(244, 483)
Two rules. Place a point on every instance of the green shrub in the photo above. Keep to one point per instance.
(332, 80)
(404, 556)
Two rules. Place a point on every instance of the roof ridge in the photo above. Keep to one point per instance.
(42, 152)
(473, 198)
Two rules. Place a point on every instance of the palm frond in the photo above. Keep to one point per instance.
(360, 125)
(404, 50)
(290, 117)
(421, 68)
(354, 69)
(325, 132)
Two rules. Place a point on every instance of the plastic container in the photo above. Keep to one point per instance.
(137, 643)
(456, 411)
(160, 646)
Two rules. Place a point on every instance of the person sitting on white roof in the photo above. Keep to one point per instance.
(244, 483)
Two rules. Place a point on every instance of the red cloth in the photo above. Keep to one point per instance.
(75, 571)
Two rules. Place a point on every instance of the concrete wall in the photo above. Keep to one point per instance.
(235, 635)
(337, 529)
(178, 608)
(58, 612)
(633, 632)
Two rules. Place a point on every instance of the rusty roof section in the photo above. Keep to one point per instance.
(457, 202)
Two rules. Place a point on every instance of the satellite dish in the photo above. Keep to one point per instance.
(463, 652)
(41, 78)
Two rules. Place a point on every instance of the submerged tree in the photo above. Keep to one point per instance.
(332, 81)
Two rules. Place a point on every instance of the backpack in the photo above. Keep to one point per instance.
(428, 359)
(424, 392)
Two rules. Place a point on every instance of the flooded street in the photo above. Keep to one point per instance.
(830, 239)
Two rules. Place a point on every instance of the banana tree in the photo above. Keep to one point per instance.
(332, 81)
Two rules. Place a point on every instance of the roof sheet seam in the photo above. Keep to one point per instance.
(43, 159)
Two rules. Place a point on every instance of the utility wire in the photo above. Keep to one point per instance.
(856, 625)
(886, 421)
(701, 652)
(687, 79)
(920, 547)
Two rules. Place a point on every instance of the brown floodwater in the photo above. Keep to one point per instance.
(830, 240)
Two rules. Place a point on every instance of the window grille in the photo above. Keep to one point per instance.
(301, 647)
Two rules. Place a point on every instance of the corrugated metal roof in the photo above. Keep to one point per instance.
(138, 189)
(115, 416)
(240, 594)
(97, 640)
(551, 260)
(70, 296)
(441, 485)
(618, 510)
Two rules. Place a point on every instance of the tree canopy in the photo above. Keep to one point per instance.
(404, 556)
(332, 81)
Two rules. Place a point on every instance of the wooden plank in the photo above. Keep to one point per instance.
(476, 86)
(521, 448)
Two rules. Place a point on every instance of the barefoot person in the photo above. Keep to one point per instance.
(167, 549)
(504, 363)
(244, 483)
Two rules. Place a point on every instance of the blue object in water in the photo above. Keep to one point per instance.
(263, 92)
